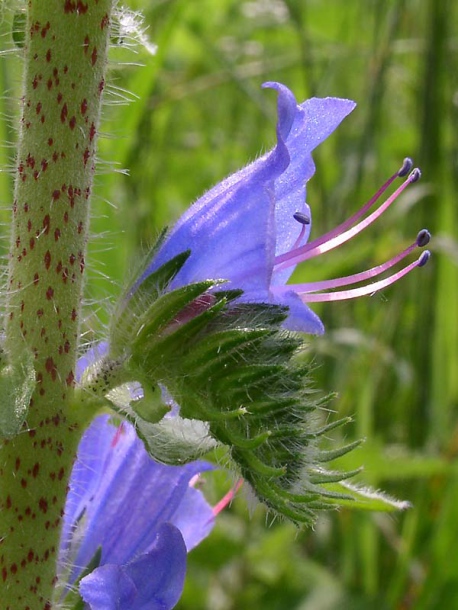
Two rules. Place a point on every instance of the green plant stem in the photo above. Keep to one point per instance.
(65, 54)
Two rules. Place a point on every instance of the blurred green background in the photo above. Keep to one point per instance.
(196, 114)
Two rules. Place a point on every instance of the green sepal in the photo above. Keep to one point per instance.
(150, 408)
(132, 309)
(166, 311)
(176, 440)
(171, 440)
(365, 498)
(156, 348)
(17, 383)
(239, 380)
(333, 454)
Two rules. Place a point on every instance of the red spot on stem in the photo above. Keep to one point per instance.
(30, 161)
(51, 368)
(45, 29)
(64, 113)
(104, 22)
(47, 259)
(46, 224)
(92, 132)
(43, 505)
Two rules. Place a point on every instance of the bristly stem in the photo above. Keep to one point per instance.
(65, 57)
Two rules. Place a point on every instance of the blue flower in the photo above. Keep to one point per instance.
(141, 515)
(253, 228)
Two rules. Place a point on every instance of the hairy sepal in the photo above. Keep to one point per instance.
(239, 380)
(172, 440)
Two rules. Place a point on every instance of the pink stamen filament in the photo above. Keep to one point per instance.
(118, 434)
(363, 290)
(227, 499)
(338, 236)
(359, 277)
(297, 243)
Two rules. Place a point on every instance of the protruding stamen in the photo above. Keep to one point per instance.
(303, 219)
(415, 175)
(424, 258)
(423, 238)
(406, 167)
(337, 237)
(370, 288)
(227, 499)
(354, 218)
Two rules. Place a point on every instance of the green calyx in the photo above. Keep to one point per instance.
(239, 380)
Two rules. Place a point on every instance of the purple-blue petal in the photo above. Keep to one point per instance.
(301, 318)
(119, 498)
(230, 230)
(236, 229)
(312, 122)
(153, 581)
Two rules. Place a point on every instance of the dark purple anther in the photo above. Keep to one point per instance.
(415, 175)
(424, 258)
(423, 238)
(304, 219)
(406, 167)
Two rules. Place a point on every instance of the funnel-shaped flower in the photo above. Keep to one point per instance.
(253, 228)
(129, 522)
(204, 322)
(236, 229)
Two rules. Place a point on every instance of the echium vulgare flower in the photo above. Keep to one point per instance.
(203, 348)
(128, 524)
